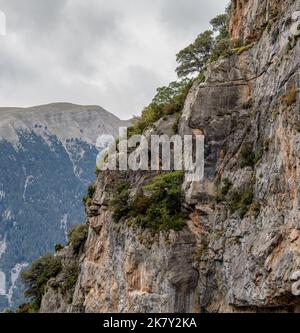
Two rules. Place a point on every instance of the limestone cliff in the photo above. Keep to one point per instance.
(242, 240)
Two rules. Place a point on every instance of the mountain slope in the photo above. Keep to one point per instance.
(47, 159)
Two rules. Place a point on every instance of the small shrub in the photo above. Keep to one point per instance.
(119, 202)
(269, 26)
(248, 104)
(201, 251)
(176, 123)
(292, 41)
(243, 48)
(91, 190)
(255, 208)
(201, 77)
(27, 308)
(90, 193)
(37, 276)
(58, 247)
(241, 201)
(71, 273)
(259, 154)
(78, 236)
(290, 97)
(247, 156)
(226, 186)
(223, 49)
(160, 209)
(167, 101)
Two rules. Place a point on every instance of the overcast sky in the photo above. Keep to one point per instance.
(113, 53)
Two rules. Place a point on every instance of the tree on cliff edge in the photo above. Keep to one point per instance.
(208, 46)
(193, 58)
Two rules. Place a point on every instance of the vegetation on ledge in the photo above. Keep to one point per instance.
(36, 278)
(90, 193)
(78, 236)
(157, 207)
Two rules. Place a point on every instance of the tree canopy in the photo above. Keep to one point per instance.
(208, 46)
(193, 59)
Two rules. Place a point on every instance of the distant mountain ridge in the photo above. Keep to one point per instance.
(47, 159)
(85, 121)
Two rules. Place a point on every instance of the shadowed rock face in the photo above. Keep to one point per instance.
(47, 159)
(233, 256)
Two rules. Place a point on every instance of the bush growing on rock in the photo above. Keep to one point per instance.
(290, 97)
(156, 207)
(241, 201)
(27, 308)
(58, 247)
(194, 58)
(78, 236)
(247, 156)
(37, 276)
(226, 186)
(90, 193)
(168, 100)
(160, 209)
(119, 202)
(71, 272)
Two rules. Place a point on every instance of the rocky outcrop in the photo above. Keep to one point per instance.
(249, 18)
(242, 240)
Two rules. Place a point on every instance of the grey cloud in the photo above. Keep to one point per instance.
(184, 16)
(111, 53)
(34, 16)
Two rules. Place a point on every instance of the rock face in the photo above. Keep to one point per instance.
(48, 156)
(242, 241)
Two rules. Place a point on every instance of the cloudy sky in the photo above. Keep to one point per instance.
(112, 53)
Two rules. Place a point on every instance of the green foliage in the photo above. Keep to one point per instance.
(165, 181)
(78, 236)
(220, 25)
(90, 193)
(226, 186)
(242, 48)
(201, 251)
(209, 46)
(255, 208)
(27, 308)
(248, 104)
(194, 58)
(157, 206)
(119, 202)
(290, 97)
(201, 77)
(223, 48)
(71, 272)
(292, 42)
(168, 100)
(241, 201)
(160, 209)
(37, 276)
(247, 156)
(58, 247)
